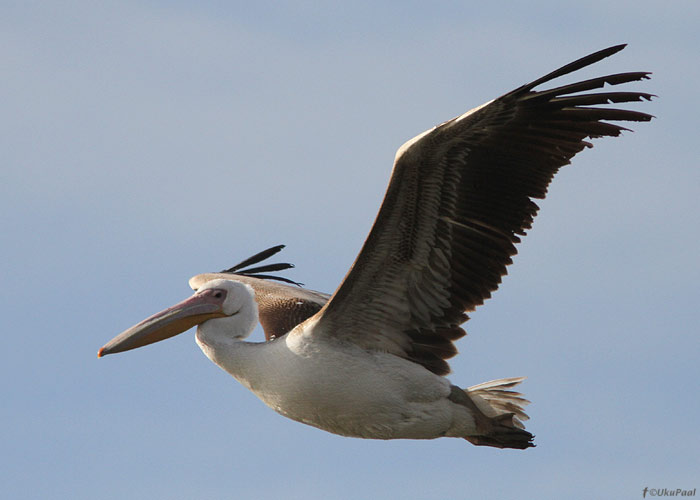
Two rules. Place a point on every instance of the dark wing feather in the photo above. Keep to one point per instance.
(243, 269)
(258, 257)
(460, 196)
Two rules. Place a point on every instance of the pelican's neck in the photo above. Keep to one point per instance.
(221, 339)
(222, 342)
(231, 354)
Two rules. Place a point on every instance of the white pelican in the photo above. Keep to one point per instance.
(369, 361)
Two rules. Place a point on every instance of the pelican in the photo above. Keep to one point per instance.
(370, 360)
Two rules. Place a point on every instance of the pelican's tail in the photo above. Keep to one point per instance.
(496, 398)
(498, 413)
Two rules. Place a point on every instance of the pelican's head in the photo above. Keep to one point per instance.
(222, 308)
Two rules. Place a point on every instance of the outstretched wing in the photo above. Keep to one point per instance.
(459, 197)
(281, 307)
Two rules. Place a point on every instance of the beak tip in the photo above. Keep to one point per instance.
(101, 352)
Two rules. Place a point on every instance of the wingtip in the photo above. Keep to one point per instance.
(258, 257)
(576, 65)
(616, 48)
(603, 53)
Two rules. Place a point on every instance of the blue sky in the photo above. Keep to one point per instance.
(145, 142)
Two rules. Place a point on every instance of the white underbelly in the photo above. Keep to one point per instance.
(349, 391)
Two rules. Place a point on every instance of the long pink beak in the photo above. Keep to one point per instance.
(179, 318)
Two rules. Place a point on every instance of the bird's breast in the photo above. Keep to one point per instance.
(338, 387)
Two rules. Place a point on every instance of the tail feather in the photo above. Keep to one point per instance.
(496, 398)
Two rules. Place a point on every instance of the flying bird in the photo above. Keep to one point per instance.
(370, 360)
